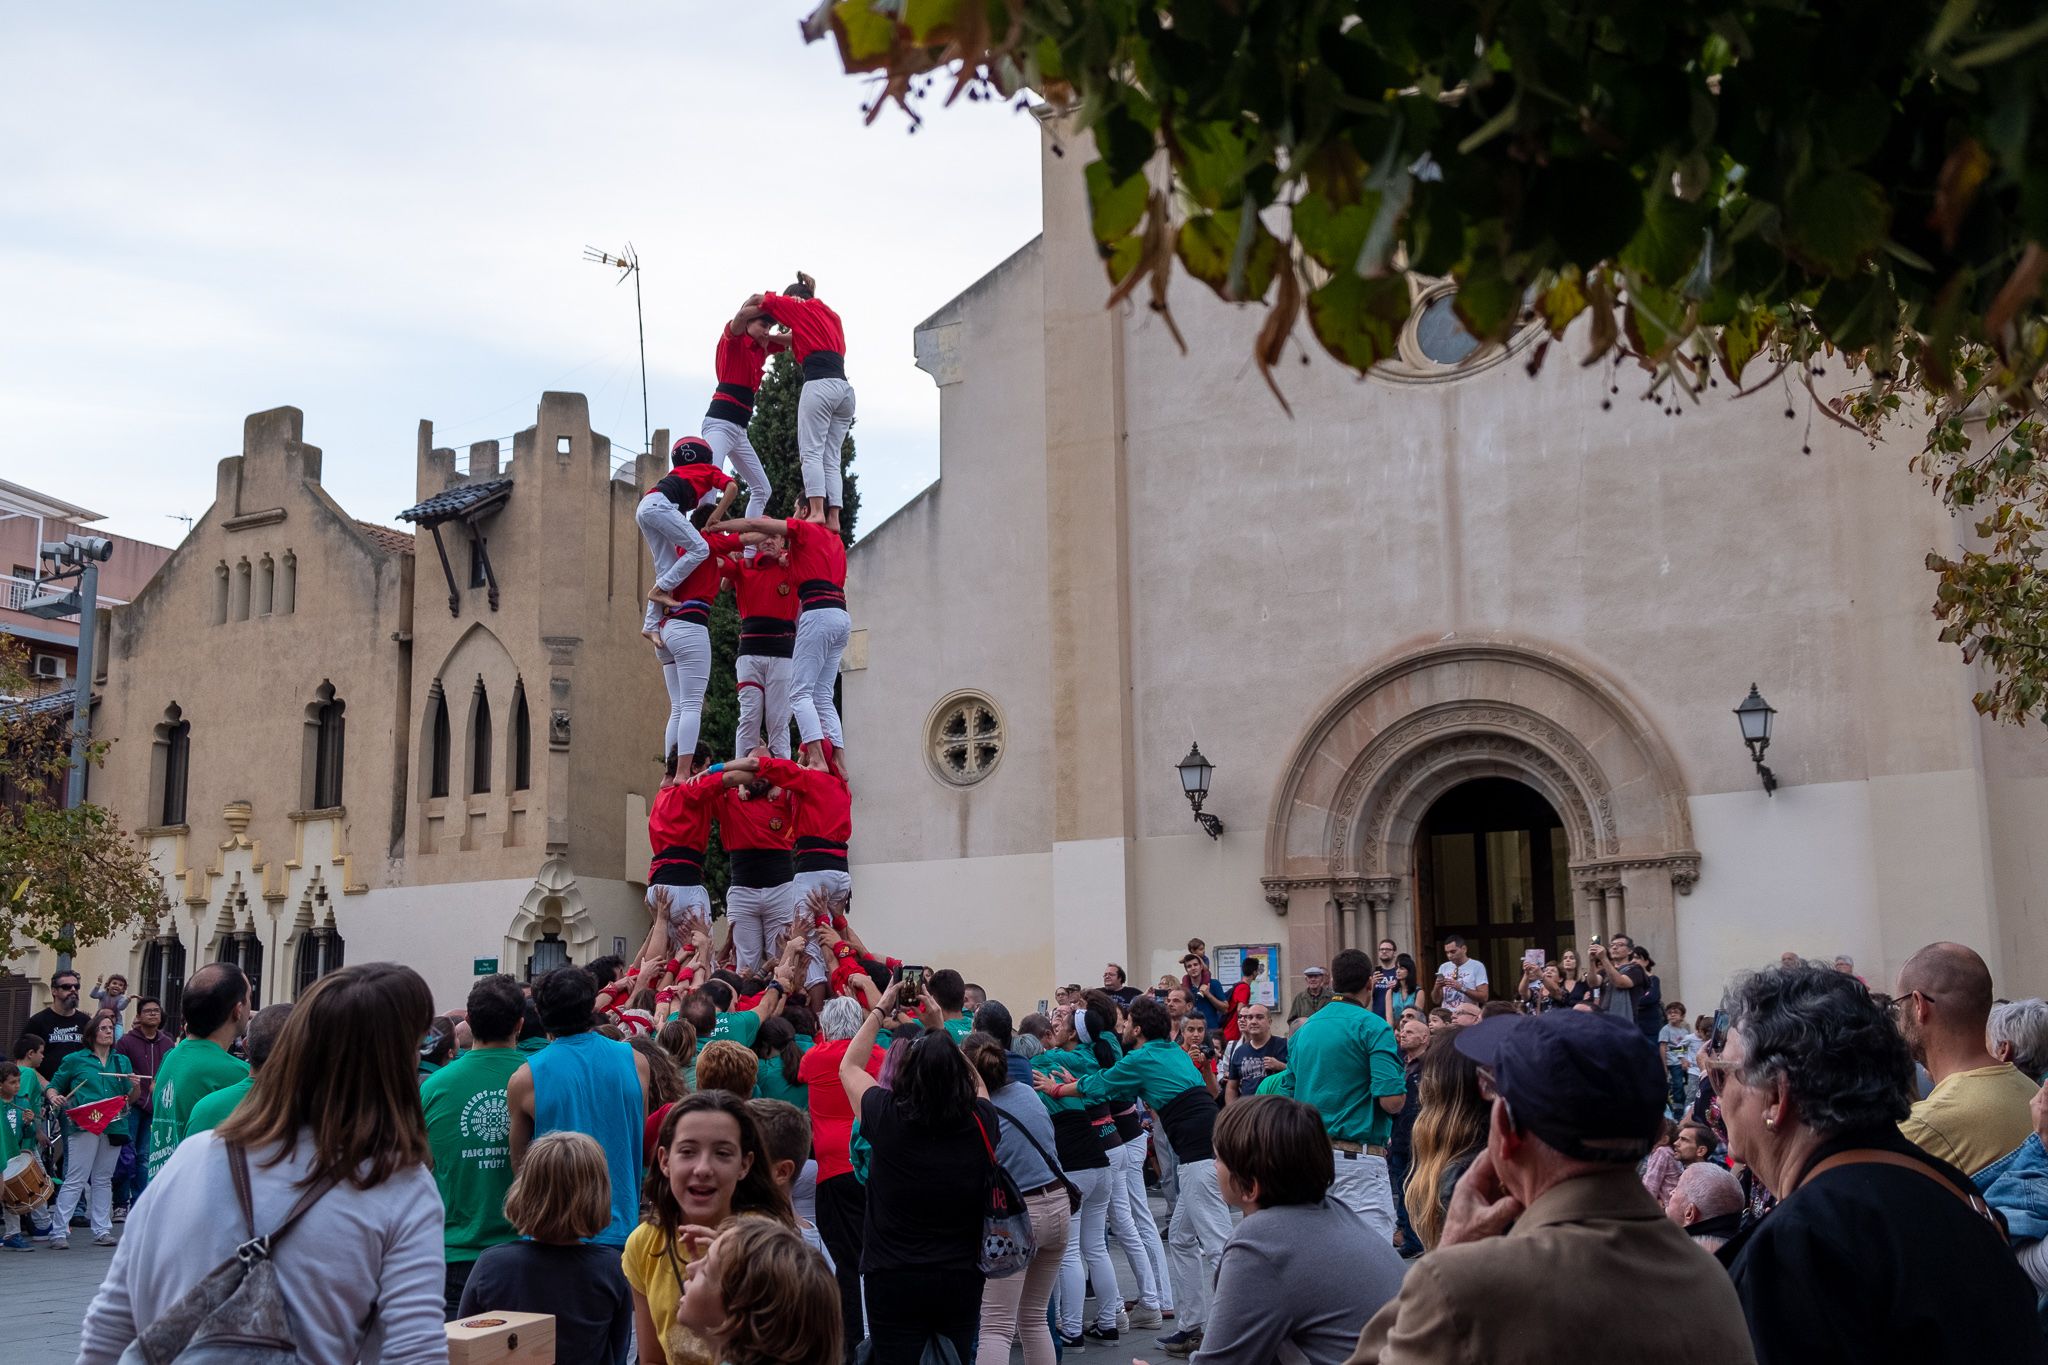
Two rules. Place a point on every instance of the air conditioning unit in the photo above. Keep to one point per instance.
(50, 666)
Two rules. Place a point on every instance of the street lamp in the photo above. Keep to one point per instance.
(1195, 771)
(1755, 715)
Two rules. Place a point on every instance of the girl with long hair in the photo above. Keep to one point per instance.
(1449, 1133)
(759, 1295)
(334, 1114)
(710, 1166)
(1406, 992)
(781, 1053)
(933, 1136)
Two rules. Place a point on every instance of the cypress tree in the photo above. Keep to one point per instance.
(773, 432)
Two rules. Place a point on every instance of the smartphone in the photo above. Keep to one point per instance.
(1533, 957)
(1596, 940)
(912, 978)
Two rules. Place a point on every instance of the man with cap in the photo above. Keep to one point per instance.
(1347, 1065)
(1315, 995)
(1554, 1206)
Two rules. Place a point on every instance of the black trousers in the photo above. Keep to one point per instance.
(842, 1204)
(452, 1287)
(907, 1308)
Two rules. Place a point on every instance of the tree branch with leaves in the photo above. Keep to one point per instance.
(1705, 188)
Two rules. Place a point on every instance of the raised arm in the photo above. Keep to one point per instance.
(853, 1072)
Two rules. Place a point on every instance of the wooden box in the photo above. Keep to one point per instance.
(502, 1339)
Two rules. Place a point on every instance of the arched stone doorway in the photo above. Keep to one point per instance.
(1493, 865)
(1341, 844)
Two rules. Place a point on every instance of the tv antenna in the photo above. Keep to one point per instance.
(180, 516)
(627, 262)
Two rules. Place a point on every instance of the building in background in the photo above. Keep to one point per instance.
(341, 741)
(1461, 642)
(27, 519)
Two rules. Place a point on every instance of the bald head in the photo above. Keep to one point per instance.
(1954, 979)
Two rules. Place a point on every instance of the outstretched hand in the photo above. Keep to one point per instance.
(1051, 1079)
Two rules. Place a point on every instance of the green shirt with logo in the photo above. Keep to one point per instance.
(469, 1130)
(191, 1071)
(741, 1026)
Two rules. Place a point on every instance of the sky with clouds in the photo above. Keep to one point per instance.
(376, 213)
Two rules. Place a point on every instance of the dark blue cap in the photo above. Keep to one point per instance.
(1588, 1084)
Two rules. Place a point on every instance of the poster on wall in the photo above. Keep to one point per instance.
(1229, 969)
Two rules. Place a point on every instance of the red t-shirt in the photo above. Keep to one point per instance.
(681, 817)
(825, 807)
(816, 555)
(739, 360)
(702, 584)
(1240, 994)
(831, 1114)
(699, 479)
(812, 326)
(761, 587)
(769, 822)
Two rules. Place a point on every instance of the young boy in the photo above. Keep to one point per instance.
(1695, 1072)
(1675, 1045)
(17, 1135)
(786, 1133)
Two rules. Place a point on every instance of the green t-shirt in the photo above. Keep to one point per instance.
(191, 1071)
(1279, 1083)
(533, 1045)
(213, 1111)
(1344, 1060)
(741, 1027)
(14, 1124)
(85, 1079)
(771, 1084)
(960, 1027)
(469, 1131)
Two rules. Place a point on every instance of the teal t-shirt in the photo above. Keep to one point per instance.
(771, 1084)
(84, 1079)
(960, 1027)
(191, 1071)
(1344, 1059)
(213, 1111)
(1158, 1073)
(469, 1131)
(741, 1026)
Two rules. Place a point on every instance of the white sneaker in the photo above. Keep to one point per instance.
(1144, 1317)
(1123, 1321)
(60, 1244)
(106, 1239)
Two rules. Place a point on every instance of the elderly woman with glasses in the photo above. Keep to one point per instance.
(1876, 1250)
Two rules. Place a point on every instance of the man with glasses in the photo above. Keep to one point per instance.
(1978, 1110)
(62, 1024)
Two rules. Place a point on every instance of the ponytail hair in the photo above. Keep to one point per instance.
(1099, 1009)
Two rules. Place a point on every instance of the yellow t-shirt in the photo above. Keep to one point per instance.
(659, 1280)
(1973, 1117)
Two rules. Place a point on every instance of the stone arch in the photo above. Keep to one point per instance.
(555, 899)
(1368, 767)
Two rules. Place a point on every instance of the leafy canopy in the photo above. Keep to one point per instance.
(68, 876)
(1729, 187)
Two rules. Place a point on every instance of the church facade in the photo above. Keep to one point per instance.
(1462, 643)
(343, 742)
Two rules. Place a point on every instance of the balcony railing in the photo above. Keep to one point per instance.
(21, 590)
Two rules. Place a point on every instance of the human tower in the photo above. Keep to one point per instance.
(784, 823)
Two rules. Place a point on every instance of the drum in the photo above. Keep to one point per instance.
(24, 1185)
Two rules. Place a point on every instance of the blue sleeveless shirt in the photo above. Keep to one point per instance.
(587, 1083)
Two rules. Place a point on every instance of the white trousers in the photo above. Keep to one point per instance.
(760, 916)
(820, 642)
(1362, 1185)
(88, 1157)
(1086, 1242)
(838, 885)
(1144, 1227)
(1201, 1225)
(729, 443)
(766, 683)
(824, 413)
(685, 909)
(666, 531)
(685, 655)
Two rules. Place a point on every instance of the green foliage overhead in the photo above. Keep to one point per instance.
(1746, 188)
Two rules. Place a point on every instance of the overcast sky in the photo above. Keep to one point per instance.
(376, 213)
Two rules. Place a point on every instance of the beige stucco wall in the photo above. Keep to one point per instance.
(1270, 562)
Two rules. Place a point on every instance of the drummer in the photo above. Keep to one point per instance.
(17, 1135)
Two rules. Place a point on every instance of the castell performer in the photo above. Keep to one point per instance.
(764, 591)
(663, 517)
(757, 825)
(678, 830)
(817, 562)
(824, 825)
(684, 647)
(744, 346)
(824, 410)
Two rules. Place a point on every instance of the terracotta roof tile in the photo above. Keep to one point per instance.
(384, 538)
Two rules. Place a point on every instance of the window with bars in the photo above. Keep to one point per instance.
(549, 952)
(163, 976)
(320, 952)
(966, 739)
(245, 950)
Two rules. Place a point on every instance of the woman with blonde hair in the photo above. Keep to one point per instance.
(1449, 1132)
(331, 1130)
(562, 1197)
(759, 1295)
